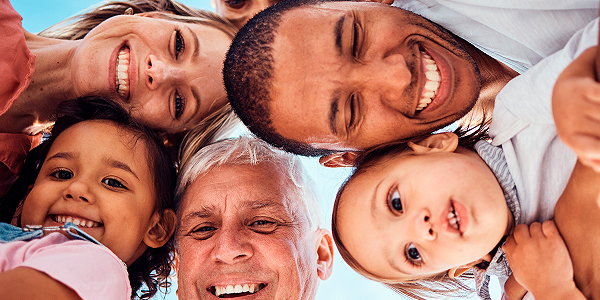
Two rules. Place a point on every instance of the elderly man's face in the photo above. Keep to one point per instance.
(242, 232)
(350, 75)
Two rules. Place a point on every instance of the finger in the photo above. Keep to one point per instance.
(549, 229)
(521, 233)
(509, 244)
(535, 230)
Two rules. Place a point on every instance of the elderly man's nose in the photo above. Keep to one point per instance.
(231, 247)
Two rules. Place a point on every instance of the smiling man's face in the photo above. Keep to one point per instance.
(350, 75)
(243, 232)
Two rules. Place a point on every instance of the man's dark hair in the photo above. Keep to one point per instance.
(248, 71)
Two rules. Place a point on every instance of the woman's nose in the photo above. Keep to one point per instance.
(158, 72)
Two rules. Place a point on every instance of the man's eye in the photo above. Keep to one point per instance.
(62, 174)
(412, 255)
(203, 232)
(237, 4)
(179, 43)
(394, 201)
(179, 105)
(263, 226)
(112, 182)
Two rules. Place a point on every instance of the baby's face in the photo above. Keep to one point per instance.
(96, 175)
(416, 215)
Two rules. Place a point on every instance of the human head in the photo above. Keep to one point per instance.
(68, 174)
(314, 76)
(170, 55)
(239, 12)
(248, 215)
(437, 206)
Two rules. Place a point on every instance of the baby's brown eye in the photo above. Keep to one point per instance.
(395, 202)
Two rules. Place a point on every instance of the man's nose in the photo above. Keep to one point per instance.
(387, 76)
(231, 247)
(158, 72)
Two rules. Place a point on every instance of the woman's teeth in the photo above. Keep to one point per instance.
(432, 84)
(454, 219)
(122, 79)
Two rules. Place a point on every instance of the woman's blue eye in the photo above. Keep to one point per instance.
(179, 43)
(113, 183)
(179, 105)
(413, 254)
(395, 202)
(62, 174)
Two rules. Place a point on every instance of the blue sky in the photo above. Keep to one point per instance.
(344, 284)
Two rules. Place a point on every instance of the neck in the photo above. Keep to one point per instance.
(494, 76)
(49, 86)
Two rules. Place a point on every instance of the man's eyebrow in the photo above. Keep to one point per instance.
(333, 110)
(339, 26)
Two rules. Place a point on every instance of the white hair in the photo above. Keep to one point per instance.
(248, 150)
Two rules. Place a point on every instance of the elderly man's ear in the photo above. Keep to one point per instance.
(338, 160)
(324, 248)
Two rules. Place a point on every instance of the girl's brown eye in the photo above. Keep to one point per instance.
(395, 202)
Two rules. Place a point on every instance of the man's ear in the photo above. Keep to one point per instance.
(337, 160)
(161, 230)
(324, 248)
(457, 271)
(439, 142)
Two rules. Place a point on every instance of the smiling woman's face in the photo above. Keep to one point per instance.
(167, 72)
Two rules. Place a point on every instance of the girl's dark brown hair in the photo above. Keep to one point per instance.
(153, 267)
(423, 288)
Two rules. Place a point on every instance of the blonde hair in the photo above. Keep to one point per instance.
(78, 26)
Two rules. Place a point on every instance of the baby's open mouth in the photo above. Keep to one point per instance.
(238, 290)
(81, 222)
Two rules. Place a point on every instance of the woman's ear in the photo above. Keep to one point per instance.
(337, 160)
(439, 142)
(161, 230)
(457, 271)
(324, 248)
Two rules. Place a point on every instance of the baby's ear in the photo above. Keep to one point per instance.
(337, 160)
(162, 229)
(445, 141)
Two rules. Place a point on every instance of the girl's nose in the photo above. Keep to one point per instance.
(78, 190)
(158, 72)
(424, 226)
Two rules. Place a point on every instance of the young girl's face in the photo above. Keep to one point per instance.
(97, 176)
(416, 215)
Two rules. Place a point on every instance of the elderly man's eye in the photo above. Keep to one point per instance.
(202, 232)
(263, 226)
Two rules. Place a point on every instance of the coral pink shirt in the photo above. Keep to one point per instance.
(17, 65)
(91, 270)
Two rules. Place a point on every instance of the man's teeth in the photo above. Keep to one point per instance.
(122, 79)
(237, 289)
(454, 219)
(84, 223)
(432, 84)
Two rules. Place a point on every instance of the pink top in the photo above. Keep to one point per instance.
(91, 270)
(17, 65)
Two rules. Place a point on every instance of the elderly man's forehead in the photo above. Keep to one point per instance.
(263, 186)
